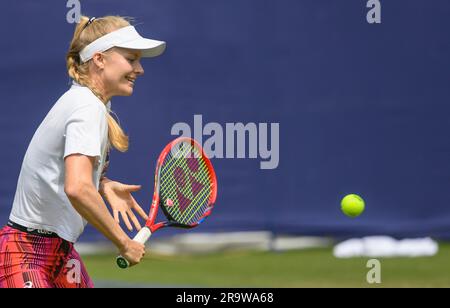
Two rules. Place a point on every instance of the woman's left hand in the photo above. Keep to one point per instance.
(119, 197)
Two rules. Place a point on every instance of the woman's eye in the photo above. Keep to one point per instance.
(130, 60)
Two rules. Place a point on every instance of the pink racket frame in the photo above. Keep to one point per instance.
(155, 202)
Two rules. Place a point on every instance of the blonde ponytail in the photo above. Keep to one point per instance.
(116, 135)
(83, 36)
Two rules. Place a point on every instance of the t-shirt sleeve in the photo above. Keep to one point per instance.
(85, 131)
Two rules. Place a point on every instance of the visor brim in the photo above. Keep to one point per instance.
(150, 48)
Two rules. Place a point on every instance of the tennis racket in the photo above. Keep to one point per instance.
(185, 190)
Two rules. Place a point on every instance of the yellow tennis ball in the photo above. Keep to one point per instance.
(352, 205)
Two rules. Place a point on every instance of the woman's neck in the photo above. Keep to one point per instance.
(98, 88)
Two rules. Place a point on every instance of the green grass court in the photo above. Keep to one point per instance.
(302, 268)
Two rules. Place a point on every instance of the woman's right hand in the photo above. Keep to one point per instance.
(133, 251)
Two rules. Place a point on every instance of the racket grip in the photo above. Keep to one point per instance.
(142, 237)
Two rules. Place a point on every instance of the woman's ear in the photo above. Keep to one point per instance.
(99, 60)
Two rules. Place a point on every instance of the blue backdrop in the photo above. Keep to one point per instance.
(362, 108)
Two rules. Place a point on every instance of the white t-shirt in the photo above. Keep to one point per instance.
(77, 123)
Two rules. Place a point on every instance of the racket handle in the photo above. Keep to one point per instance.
(141, 237)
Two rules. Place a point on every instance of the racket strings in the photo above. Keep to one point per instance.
(192, 209)
(200, 199)
(196, 214)
(189, 210)
(170, 163)
(187, 181)
(193, 212)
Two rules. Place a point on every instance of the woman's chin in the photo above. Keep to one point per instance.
(126, 91)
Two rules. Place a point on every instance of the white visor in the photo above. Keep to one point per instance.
(126, 37)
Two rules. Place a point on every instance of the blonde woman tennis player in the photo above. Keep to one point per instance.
(61, 182)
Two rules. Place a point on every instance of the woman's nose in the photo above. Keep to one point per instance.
(139, 70)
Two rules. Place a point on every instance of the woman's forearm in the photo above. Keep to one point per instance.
(89, 204)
